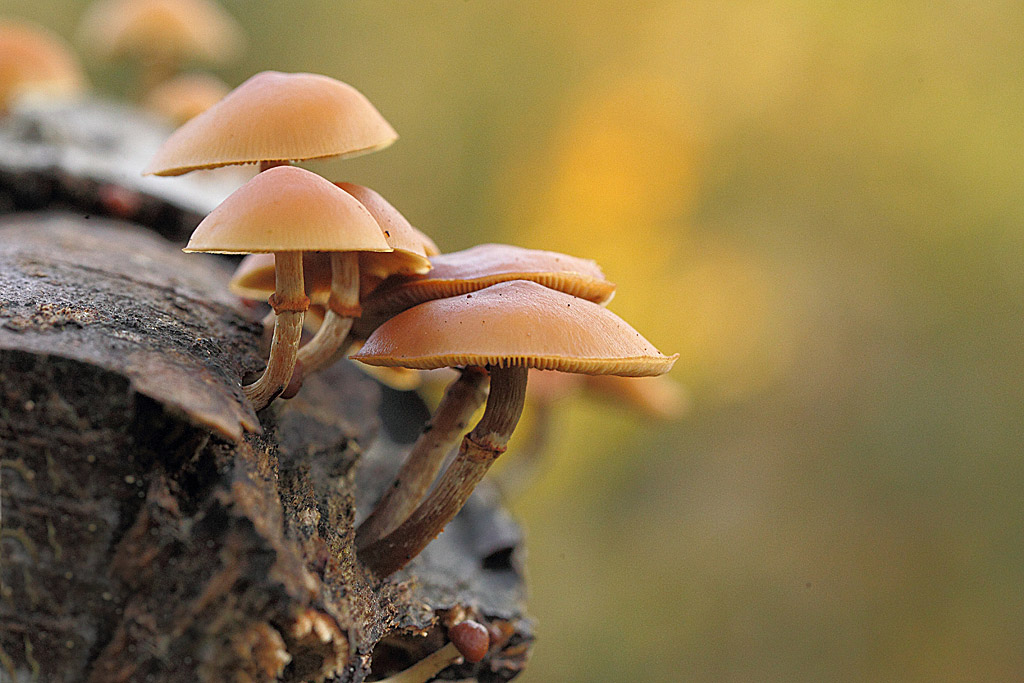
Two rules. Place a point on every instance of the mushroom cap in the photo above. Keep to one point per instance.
(256, 278)
(35, 60)
(161, 29)
(288, 209)
(517, 323)
(411, 247)
(472, 269)
(657, 397)
(276, 116)
(184, 97)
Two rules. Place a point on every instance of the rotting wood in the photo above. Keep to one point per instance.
(147, 535)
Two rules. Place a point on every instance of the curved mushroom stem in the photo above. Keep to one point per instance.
(479, 449)
(424, 461)
(329, 341)
(290, 303)
(428, 667)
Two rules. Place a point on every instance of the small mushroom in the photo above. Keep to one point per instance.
(506, 329)
(185, 97)
(286, 211)
(162, 34)
(275, 118)
(469, 640)
(35, 61)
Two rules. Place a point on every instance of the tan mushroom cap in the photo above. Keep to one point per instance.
(185, 97)
(658, 397)
(516, 323)
(484, 265)
(35, 60)
(161, 29)
(411, 247)
(255, 277)
(288, 209)
(276, 116)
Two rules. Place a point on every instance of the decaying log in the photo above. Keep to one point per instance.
(148, 533)
(88, 156)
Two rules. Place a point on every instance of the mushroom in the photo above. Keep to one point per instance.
(286, 211)
(460, 273)
(185, 97)
(35, 61)
(505, 329)
(408, 255)
(161, 34)
(340, 277)
(472, 269)
(275, 118)
(469, 640)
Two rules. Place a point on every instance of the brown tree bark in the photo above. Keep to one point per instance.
(149, 533)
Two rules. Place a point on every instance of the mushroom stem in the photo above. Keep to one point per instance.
(428, 667)
(424, 461)
(479, 449)
(329, 341)
(290, 303)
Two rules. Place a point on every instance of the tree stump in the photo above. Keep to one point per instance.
(152, 528)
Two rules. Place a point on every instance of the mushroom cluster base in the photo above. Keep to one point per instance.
(147, 535)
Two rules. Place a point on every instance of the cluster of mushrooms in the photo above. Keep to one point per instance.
(492, 312)
(339, 261)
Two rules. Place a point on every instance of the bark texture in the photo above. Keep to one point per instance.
(149, 533)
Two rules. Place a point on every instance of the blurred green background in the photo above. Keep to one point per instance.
(820, 207)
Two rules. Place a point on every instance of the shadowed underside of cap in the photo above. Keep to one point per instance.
(288, 209)
(33, 59)
(256, 278)
(472, 269)
(185, 97)
(276, 117)
(514, 323)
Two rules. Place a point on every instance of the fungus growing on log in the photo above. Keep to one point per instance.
(506, 329)
(469, 641)
(286, 211)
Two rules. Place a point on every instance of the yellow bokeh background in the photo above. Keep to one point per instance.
(819, 207)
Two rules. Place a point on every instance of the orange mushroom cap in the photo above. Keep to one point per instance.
(255, 277)
(515, 323)
(185, 97)
(288, 209)
(472, 269)
(411, 247)
(35, 60)
(161, 29)
(658, 397)
(276, 116)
